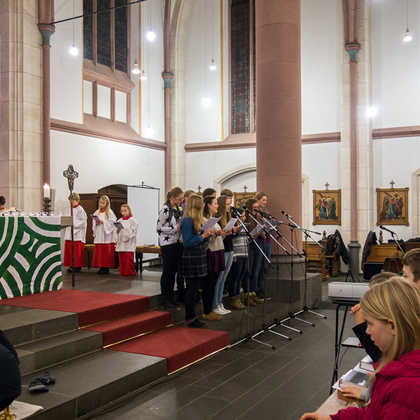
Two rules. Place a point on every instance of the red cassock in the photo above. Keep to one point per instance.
(127, 267)
(79, 254)
(104, 255)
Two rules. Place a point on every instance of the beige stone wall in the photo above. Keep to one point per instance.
(21, 105)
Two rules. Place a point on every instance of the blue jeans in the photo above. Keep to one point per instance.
(218, 291)
(255, 260)
(266, 247)
(238, 273)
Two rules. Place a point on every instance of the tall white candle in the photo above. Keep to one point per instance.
(47, 191)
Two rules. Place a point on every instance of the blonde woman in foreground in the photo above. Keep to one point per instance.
(392, 313)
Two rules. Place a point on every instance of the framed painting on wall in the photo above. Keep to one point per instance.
(392, 206)
(240, 198)
(327, 207)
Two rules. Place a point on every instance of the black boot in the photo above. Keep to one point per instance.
(174, 301)
(167, 304)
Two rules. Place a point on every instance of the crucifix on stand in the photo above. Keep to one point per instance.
(71, 175)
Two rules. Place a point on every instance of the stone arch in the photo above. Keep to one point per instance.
(231, 173)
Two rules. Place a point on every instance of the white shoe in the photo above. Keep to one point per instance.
(219, 311)
(227, 311)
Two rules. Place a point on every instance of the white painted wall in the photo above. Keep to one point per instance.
(203, 123)
(203, 168)
(322, 46)
(101, 163)
(66, 70)
(152, 92)
(396, 159)
(395, 63)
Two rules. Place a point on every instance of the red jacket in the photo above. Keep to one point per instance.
(395, 394)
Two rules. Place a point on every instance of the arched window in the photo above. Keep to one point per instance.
(242, 66)
(105, 33)
(106, 74)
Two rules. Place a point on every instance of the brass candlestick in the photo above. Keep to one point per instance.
(7, 415)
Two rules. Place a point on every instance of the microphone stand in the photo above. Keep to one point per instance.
(395, 238)
(305, 307)
(268, 219)
(248, 335)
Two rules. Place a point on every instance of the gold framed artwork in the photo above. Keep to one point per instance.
(240, 198)
(392, 206)
(327, 207)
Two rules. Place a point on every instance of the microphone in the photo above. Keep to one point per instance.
(234, 210)
(263, 214)
(388, 230)
(285, 214)
(246, 209)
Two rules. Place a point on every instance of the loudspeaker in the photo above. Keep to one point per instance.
(370, 269)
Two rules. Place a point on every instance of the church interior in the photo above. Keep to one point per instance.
(313, 102)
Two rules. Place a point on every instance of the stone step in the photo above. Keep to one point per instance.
(42, 354)
(92, 382)
(24, 325)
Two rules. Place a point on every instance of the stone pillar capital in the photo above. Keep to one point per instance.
(352, 49)
(167, 79)
(46, 31)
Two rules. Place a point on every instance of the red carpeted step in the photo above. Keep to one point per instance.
(181, 346)
(131, 326)
(92, 307)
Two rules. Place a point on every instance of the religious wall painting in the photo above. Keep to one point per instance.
(392, 206)
(327, 207)
(240, 198)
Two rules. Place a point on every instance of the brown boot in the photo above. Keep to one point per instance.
(248, 300)
(255, 298)
(242, 306)
(234, 304)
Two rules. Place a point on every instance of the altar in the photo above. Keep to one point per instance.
(30, 256)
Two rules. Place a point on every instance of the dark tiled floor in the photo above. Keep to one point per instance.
(247, 381)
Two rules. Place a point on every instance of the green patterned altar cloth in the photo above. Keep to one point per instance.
(30, 256)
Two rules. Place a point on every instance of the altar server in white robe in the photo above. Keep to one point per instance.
(127, 242)
(104, 236)
(79, 232)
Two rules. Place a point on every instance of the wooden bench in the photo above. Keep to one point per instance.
(140, 250)
(378, 253)
(319, 262)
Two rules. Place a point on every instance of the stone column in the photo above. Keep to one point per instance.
(167, 78)
(21, 107)
(356, 138)
(278, 93)
(46, 16)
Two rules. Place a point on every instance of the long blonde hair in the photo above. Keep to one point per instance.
(222, 212)
(107, 207)
(194, 211)
(398, 301)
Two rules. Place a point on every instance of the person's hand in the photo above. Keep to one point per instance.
(357, 314)
(359, 317)
(220, 232)
(229, 232)
(178, 226)
(99, 222)
(207, 233)
(119, 230)
(355, 308)
(351, 392)
(314, 416)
